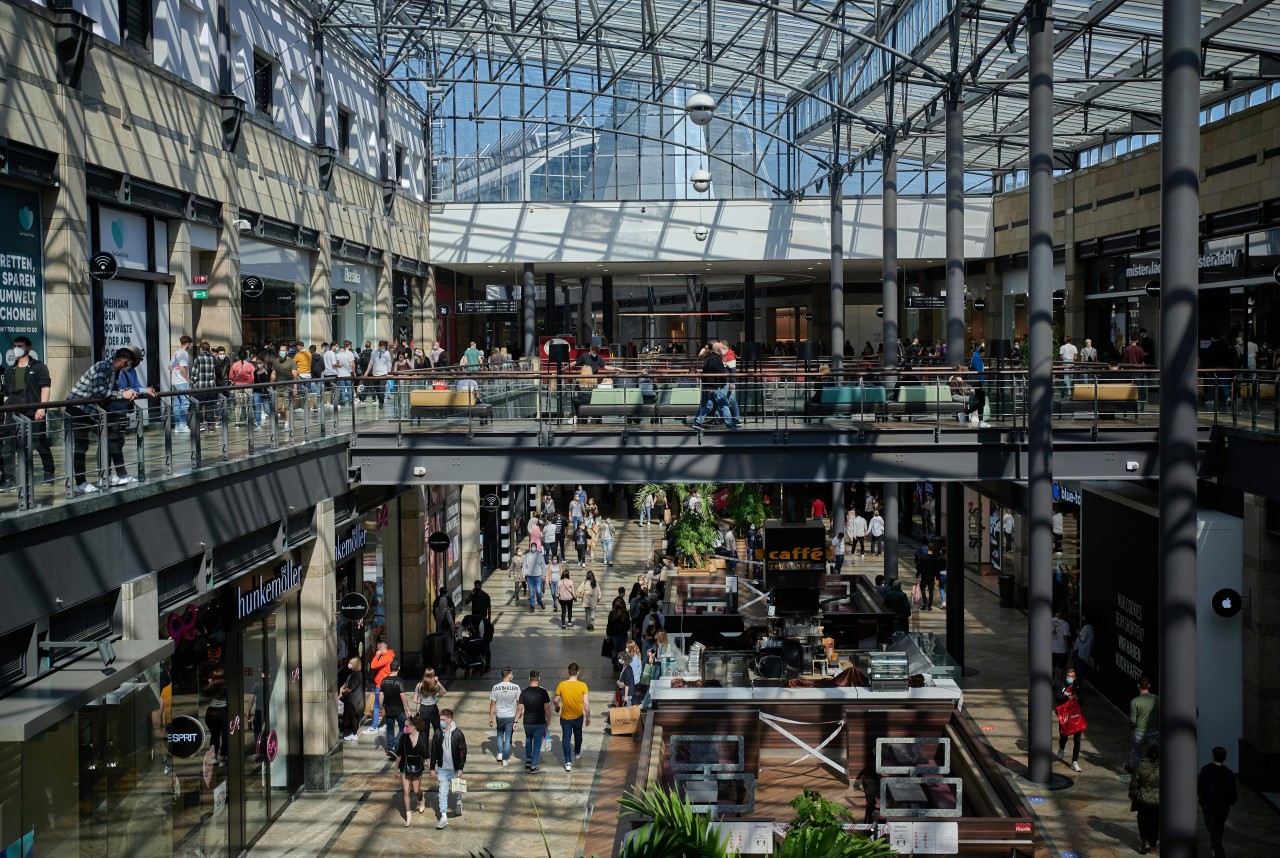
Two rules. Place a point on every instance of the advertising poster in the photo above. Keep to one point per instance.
(994, 532)
(21, 269)
(124, 319)
(124, 236)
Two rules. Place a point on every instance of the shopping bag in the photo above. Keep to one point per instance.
(1071, 719)
(646, 675)
(624, 720)
(916, 598)
(546, 743)
(458, 785)
(606, 649)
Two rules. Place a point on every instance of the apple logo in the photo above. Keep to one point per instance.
(1226, 602)
(26, 217)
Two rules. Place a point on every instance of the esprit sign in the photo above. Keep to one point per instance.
(186, 737)
(260, 589)
(354, 541)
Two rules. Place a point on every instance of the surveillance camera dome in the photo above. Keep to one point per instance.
(701, 181)
(700, 232)
(700, 107)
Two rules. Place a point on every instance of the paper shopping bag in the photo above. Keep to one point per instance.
(624, 720)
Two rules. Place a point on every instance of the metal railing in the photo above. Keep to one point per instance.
(87, 443)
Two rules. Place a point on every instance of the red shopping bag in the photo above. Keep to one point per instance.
(1071, 719)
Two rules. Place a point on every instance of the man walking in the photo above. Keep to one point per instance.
(380, 663)
(534, 568)
(180, 379)
(395, 703)
(857, 529)
(535, 708)
(549, 539)
(1144, 723)
(448, 759)
(1216, 789)
(875, 528)
(606, 541)
(379, 368)
(574, 709)
(504, 698)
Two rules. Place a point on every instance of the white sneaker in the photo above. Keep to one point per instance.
(1075, 767)
(973, 419)
(577, 756)
(504, 764)
(352, 738)
(122, 481)
(86, 489)
(498, 757)
(984, 425)
(443, 823)
(371, 731)
(182, 429)
(568, 767)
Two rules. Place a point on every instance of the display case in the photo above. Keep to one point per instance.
(888, 671)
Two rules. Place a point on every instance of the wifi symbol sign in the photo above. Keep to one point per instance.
(102, 266)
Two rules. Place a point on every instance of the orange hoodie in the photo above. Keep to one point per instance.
(382, 664)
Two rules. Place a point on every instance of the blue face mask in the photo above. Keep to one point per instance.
(444, 725)
(1071, 680)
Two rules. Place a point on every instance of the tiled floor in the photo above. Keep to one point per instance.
(549, 814)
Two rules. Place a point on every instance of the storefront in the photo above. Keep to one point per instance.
(132, 308)
(271, 305)
(367, 557)
(231, 694)
(444, 515)
(1239, 294)
(356, 319)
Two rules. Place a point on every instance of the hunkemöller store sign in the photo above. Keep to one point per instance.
(265, 587)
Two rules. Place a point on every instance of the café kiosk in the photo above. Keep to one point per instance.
(888, 740)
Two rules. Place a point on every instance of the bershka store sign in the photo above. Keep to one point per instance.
(265, 587)
(355, 540)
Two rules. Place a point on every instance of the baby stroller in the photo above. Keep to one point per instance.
(468, 655)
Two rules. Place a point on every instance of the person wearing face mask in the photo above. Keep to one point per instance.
(1066, 690)
(284, 369)
(448, 759)
(97, 383)
(118, 417)
(26, 382)
(420, 359)
(380, 363)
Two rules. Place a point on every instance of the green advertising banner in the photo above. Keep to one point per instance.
(21, 269)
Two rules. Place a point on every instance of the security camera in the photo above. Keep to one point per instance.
(701, 181)
(700, 232)
(241, 224)
(419, 471)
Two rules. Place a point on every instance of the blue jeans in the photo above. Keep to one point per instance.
(345, 389)
(714, 400)
(377, 708)
(180, 403)
(261, 410)
(446, 778)
(395, 726)
(942, 587)
(533, 736)
(645, 512)
(571, 727)
(506, 726)
(607, 545)
(535, 590)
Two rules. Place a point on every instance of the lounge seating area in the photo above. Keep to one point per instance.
(427, 404)
(1099, 398)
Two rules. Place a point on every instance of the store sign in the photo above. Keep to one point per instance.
(353, 542)
(1226, 602)
(103, 266)
(124, 236)
(124, 318)
(402, 305)
(1224, 258)
(353, 607)
(438, 542)
(800, 548)
(341, 297)
(1064, 494)
(351, 275)
(186, 737)
(264, 588)
(21, 269)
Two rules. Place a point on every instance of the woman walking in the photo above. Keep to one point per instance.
(606, 540)
(565, 593)
(1144, 795)
(411, 759)
(215, 715)
(580, 538)
(427, 697)
(589, 596)
(1066, 691)
(352, 694)
(618, 627)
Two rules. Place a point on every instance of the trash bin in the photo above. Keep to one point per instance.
(435, 651)
(1006, 590)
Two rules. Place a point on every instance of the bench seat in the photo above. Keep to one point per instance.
(614, 402)
(924, 399)
(868, 399)
(448, 403)
(1110, 397)
(678, 402)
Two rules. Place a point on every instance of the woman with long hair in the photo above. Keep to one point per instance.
(427, 698)
(352, 695)
(618, 627)
(411, 760)
(215, 714)
(589, 596)
(565, 593)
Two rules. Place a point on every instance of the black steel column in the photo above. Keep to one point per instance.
(957, 525)
(749, 308)
(691, 345)
(566, 323)
(889, 236)
(553, 321)
(955, 226)
(836, 336)
(606, 292)
(890, 528)
(529, 313)
(1040, 394)
(1179, 278)
(319, 100)
(586, 321)
(704, 307)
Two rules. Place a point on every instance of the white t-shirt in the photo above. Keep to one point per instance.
(1068, 352)
(1008, 524)
(1060, 631)
(857, 527)
(1057, 523)
(505, 696)
(876, 526)
(837, 544)
(330, 362)
(380, 363)
(346, 360)
(180, 359)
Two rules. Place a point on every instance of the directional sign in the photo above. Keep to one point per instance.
(102, 266)
(879, 312)
(926, 302)
(199, 294)
(485, 306)
(251, 286)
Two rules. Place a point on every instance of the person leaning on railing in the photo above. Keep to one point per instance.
(97, 383)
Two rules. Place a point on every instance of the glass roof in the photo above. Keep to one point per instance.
(808, 56)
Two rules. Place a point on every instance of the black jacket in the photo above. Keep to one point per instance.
(1216, 788)
(459, 748)
(37, 379)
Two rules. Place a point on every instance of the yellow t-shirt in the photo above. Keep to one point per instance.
(571, 692)
(303, 360)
